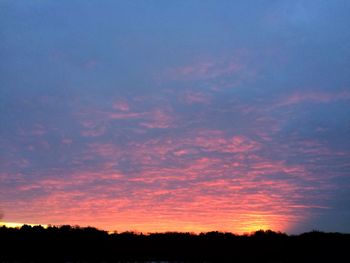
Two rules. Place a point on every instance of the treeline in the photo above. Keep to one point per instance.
(75, 244)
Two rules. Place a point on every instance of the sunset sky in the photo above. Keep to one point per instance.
(176, 115)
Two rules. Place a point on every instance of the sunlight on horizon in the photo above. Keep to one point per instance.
(247, 228)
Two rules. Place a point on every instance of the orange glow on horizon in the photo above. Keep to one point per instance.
(201, 194)
(258, 223)
(243, 224)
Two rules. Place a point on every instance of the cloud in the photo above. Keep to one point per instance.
(158, 119)
(228, 131)
(95, 121)
(67, 141)
(137, 162)
(206, 69)
(121, 105)
(192, 97)
(37, 129)
(201, 179)
(94, 132)
(103, 149)
(313, 97)
(214, 141)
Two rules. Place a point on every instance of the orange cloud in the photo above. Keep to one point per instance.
(202, 195)
(172, 190)
(195, 180)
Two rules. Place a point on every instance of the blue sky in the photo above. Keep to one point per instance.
(176, 115)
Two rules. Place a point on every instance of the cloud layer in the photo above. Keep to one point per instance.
(176, 117)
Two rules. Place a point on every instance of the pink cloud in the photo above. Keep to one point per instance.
(209, 195)
(95, 122)
(214, 73)
(198, 180)
(216, 141)
(36, 130)
(191, 97)
(314, 97)
(67, 141)
(39, 130)
(184, 152)
(121, 105)
(124, 115)
(158, 119)
(45, 145)
(105, 149)
(206, 69)
(92, 125)
(94, 133)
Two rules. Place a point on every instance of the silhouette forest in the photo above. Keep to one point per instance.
(76, 244)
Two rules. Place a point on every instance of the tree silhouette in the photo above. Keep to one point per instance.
(74, 244)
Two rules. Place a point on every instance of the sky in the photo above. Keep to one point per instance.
(176, 115)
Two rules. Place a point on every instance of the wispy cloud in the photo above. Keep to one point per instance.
(121, 105)
(314, 97)
(206, 70)
(192, 97)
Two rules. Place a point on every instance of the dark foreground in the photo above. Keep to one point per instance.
(74, 244)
